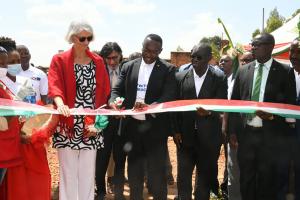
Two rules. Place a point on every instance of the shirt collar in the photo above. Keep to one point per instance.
(110, 70)
(266, 64)
(145, 64)
(196, 75)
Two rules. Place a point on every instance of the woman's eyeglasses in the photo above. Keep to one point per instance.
(82, 39)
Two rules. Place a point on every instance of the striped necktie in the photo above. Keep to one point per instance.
(257, 84)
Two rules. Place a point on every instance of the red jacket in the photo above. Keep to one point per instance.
(10, 144)
(61, 80)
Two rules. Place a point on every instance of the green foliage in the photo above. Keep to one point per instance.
(296, 13)
(298, 25)
(215, 51)
(255, 33)
(274, 21)
(215, 43)
(215, 40)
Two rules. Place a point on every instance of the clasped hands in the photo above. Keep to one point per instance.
(202, 112)
(264, 115)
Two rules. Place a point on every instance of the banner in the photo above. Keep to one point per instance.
(11, 108)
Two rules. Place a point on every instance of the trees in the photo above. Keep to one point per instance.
(274, 21)
(255, 33)
(216, 45)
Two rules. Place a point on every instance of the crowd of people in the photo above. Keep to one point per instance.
(261, 149)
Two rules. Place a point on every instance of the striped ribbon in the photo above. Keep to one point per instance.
(11, 108)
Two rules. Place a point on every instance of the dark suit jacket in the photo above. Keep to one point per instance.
(214, 87)
(160, 88)
(280, 88)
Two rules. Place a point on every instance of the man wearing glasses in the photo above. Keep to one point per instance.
(260, 135)
(197, 134)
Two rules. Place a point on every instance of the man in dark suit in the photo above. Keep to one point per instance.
(295, 63)
(260, 135)
(113, 142)
(198, 134)
(144, 81)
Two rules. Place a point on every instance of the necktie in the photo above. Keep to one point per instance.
(114, 78)
(256, 89)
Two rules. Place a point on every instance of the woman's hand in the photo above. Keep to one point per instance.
(64, 110)
(91, 131)
(61, 107)
(3, 124)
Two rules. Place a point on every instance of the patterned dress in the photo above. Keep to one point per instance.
(85, 98)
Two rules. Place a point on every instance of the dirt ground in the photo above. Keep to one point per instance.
(172, 191)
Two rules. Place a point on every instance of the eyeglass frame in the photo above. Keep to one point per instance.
(83, 39)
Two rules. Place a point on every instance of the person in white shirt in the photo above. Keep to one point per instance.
(232, 184)
(198, 134)
(295, 64)
(144, 81)
(38, 78)
(261, 135)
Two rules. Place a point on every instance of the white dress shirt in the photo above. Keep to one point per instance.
(143, 79)
(198, 81)
(257, 121)
(297, 79)
(230, 83)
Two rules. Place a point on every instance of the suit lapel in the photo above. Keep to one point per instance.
(250, 77)
(135, 73)
(189, 85)
(270, 79)
(206, 86)
(156, 73)
(131, 86)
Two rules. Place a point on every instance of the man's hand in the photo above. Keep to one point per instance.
(177, 140)
(139, 106)
(115, 107)
(233, 141)
(202, 112)
(264, 115)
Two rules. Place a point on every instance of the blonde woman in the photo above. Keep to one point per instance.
(78, 79)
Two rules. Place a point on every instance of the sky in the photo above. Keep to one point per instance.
(41, 25)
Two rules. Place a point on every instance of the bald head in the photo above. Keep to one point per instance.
(247, 57)
(295, 54)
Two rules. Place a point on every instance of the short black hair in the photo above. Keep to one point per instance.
(8, 44)
(134, 55)
(154, 37)
(206, 47)
(108, 48)
(265, 38)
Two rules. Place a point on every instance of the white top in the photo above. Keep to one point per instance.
(38, 79)
(230, 83)
(257, 121)
(143, 79)
(199, 81)
(14, 87)
(297, 78)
